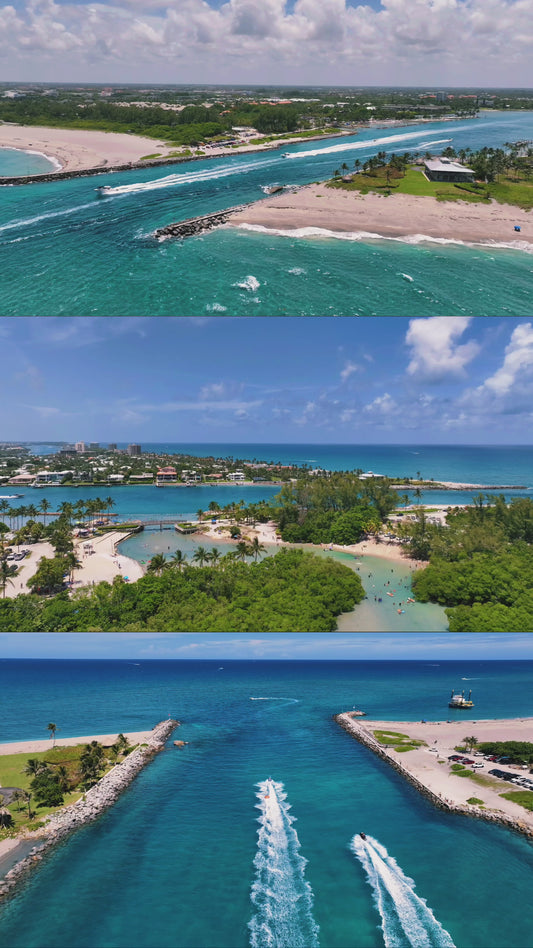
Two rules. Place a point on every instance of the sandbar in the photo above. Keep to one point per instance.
(316, 210)
(442, 785)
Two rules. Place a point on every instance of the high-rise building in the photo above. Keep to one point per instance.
(111, 446)
(94, 445)
(80, 447)
(134, 450)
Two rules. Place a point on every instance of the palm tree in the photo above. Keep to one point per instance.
(157, 564)
(31, 511)
(45, 506)
(34, 767)
(17, 797)
(63, 778)
(214, 556)
(200, 556)
(4, 575)
(470, 742)
(200, 515)
(178, 560)
(242, 550)
(256, 548)
(4, 507)
(418, 495)
(71, 562)
(110, 503)
(53, 728)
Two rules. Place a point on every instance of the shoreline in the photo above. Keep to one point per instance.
(420, 767)
(90, 805)
(321, 212)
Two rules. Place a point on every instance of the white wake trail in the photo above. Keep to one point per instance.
(188, 177)
(370, 143)
(282, 898)
(406, 920)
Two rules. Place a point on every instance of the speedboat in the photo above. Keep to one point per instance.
(362, 835)
(286, 154)
(102, 191)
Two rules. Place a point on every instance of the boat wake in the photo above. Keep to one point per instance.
(188, 177)
(282, 898)
(369, 143)
(406, 920)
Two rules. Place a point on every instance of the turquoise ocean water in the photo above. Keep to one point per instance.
(194, 856)
(65, 252)
(14, 162)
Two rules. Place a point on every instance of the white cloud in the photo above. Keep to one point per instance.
(382, 405)
(349, 369)
(518, 361)
(189, 40)
(435, 351)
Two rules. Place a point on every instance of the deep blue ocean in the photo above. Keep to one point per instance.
(64, 252)
(181, 860)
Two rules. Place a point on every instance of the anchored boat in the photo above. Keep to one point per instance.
(459, 700)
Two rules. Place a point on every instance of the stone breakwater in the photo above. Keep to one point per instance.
(360, 734)
(91, 804)
(197, 225)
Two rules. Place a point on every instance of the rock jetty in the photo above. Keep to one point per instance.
(91, 804)
(197, 225)
(362, 735)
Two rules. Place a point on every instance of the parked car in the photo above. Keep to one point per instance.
(478, 766)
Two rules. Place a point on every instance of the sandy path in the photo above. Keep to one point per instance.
(399, 215)
(104, 564)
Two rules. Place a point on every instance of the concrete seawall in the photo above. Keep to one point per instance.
(360, 734)
(90, 805)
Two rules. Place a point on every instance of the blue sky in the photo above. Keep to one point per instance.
(336, 380)
(226, 646)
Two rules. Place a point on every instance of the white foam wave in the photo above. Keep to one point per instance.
(188, 177)
(250, 283)
(407, 277)
(292, 700)
(309, 232)
(282, 898)
(216, 308)
(358, 146)
(406, 920)
(297, 271)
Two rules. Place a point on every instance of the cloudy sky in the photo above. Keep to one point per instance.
(330, 380)
(274, 645)
(407, 42)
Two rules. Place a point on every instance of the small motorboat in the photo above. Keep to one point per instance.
(362, 835)
(102, 191)
(286, 154)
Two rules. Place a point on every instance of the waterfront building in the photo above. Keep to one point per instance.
(111, 446)
(80, 447)
(236, 476)
(444, 169)
(51, 478)
(134, 450)
(166, 475)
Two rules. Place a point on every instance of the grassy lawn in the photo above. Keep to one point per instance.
(12, 774)
(457, 770)
(400, 742)
(507, 191)
(522, 797)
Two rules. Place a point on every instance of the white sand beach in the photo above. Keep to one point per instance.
(103, 564)
(35, 747)
(444, 737)
(317, 209)
(76, 149)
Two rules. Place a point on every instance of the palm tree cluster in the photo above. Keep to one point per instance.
(203, 557)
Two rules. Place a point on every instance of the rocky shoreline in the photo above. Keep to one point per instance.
(90, 806)
(358, 732)
(196, 225)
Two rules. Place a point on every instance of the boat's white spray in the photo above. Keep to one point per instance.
(282, 898)
(406, 920)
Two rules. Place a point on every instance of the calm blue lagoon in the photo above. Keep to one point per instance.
(17, 163)
(178, 861)
(110, 265)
